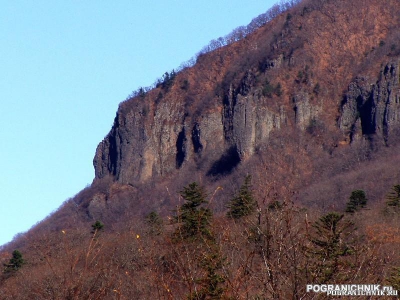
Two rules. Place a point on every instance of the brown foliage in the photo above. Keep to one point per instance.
(266, 254)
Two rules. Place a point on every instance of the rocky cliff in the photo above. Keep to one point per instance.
(371, 106)
(220, 112)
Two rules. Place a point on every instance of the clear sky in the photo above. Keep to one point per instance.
(64, 68)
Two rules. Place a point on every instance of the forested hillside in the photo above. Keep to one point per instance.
(266, 163)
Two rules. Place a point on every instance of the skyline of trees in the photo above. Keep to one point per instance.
(235, 35)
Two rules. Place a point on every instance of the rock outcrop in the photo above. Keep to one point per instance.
(141, 146)
(220, 112)
(148, 141)
(372, 107)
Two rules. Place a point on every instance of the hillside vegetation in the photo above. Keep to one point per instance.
(268, 162)
(250, 253)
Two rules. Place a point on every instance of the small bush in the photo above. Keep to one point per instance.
(155, 223)
(269, 89)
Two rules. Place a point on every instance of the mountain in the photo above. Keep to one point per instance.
(321, 79)
(307, 103)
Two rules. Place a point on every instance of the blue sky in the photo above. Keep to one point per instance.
(64, 68)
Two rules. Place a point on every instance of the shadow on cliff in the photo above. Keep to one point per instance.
(225, 164)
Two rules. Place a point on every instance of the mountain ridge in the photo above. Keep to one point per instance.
(307, 104)
(226, 96)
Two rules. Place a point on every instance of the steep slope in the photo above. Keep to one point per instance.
(308, 104)
(327, 71)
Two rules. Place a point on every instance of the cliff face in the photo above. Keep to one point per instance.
(371, 107)
(142, 145)
(223, 110)
(154, 143)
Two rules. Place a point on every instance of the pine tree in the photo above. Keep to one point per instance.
(243, 204)
(211, 283)
(97, 226)
(329, 244)
(194, 230)
(155, 223)
(194, 220)
(357, 200)
(15, 262)
(168, 80)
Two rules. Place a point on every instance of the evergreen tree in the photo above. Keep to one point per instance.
(329, 244)
(168, 80)
(193, 220)
(243, 204)
(141, 92)
(97, 226)
(357, 200)
(155, 223)
(393, 198)
(212, 281)
(194, 227)
(15, 262)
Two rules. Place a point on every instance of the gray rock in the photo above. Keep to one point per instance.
(372, 108)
